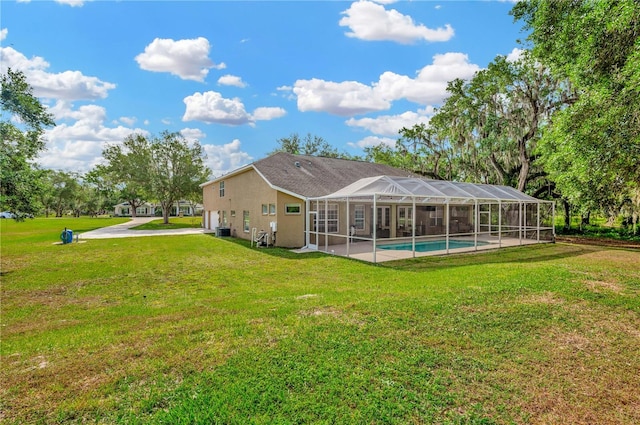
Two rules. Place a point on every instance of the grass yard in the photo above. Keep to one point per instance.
(174, 223)
(202, 330)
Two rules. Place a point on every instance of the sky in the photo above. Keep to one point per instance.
(237, 76)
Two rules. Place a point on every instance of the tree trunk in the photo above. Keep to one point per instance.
(585, 219)
(567, 214)
(165, 214)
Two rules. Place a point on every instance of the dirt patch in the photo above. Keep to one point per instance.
(599, 242)
(598, 285)
(548, 298)
(321, 311)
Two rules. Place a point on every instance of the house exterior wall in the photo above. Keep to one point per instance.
(248, 191)
(290, 225)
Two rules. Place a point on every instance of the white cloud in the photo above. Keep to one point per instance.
(210, 107)
(389, 125)
(188, 59)
(193, 134)
(373, 141)
(515, 54)
(77, 145)
(430, 85)
(72, 3)
(352, 98)
(130, 121)
(372, 22)
(3, 33)
(231, 80)
(68, 85)
(346, 98)
(222, 159)
(267, 113)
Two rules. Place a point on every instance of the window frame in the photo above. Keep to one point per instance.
(298, 206)
(359, 223)
(246, 221)
(221, 188)
(331, 222)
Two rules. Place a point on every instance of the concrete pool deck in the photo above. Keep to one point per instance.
(363, 250)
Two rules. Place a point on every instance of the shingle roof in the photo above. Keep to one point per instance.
(312, 176)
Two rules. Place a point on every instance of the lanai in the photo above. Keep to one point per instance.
(383, 217)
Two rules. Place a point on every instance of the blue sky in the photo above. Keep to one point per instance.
(237, 76)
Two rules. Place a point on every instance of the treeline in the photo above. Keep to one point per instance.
(163, 169)
(562, 121)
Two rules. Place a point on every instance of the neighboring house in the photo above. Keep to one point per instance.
(184, 208)
(126, 210)
(270, 195)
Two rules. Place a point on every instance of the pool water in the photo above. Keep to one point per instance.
(427, 246)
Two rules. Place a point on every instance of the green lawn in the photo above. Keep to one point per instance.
(174, 223)
(198, 329)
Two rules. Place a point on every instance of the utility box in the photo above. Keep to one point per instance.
(224, 231)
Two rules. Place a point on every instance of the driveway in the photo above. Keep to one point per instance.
(123, 230)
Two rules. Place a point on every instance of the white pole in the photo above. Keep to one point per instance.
(326, 225)
(538, 223)
(499, 223)
(520, 220)
(348, 227)
(413, 227)
(446, 203)
(553, 220)
(375, 224)
(475, 227)
(307, 223)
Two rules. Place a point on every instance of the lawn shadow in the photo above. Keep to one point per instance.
(519, 254)
(273, 251)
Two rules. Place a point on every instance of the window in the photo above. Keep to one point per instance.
(332, 218)
(224, 219)
(292, 209)
(265, 209)
(141, 211)
(436, 215)
(272, 209)
(233, 213)
(359, 217)
(245, 221)
(405, 217)
(222, 189)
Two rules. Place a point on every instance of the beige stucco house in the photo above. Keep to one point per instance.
(270, 195)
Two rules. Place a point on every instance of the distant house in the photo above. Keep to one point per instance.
(270, 195)
(183, 208)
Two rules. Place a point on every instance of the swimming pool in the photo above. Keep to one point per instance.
(427, 246)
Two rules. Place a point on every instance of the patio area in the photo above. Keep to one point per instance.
(388, 218)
